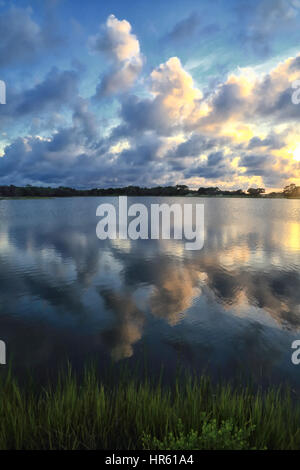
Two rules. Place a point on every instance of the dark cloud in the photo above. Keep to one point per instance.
(189, 28)
(216, 166)
(263, 20)
(58, 89)
(140, 115)
(295, 65)
(194, 146)
(226, 102)
(22, 39)
(184, 28)
(119, 79)
(258, 165)
(141, 153)
(215, 158)
(273, 141)
(56, 159)
(254, 160)
(274, 99)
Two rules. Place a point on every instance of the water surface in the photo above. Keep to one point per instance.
(234, 305)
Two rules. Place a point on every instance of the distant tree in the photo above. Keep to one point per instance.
(239, 192)
(182, 189)
(289, 189)
(255, 191)
(211, 191)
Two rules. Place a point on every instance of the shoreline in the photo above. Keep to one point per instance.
(148, 196)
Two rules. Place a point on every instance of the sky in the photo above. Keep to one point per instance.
(140, 92)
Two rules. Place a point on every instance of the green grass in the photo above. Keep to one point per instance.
(87, 413)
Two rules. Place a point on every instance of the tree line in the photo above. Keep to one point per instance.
(289, 191)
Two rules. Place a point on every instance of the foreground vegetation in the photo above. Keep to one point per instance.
(130, 414)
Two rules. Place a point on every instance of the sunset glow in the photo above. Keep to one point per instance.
(296, 153)
(194, 93)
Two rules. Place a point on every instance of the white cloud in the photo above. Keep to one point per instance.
(122, 47)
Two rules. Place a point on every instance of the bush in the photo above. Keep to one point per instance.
(226, 436)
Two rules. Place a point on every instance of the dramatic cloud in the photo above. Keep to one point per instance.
(123, 49)
(165, 128)
(175, 102)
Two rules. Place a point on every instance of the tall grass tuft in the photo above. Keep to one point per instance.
(130, 413)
